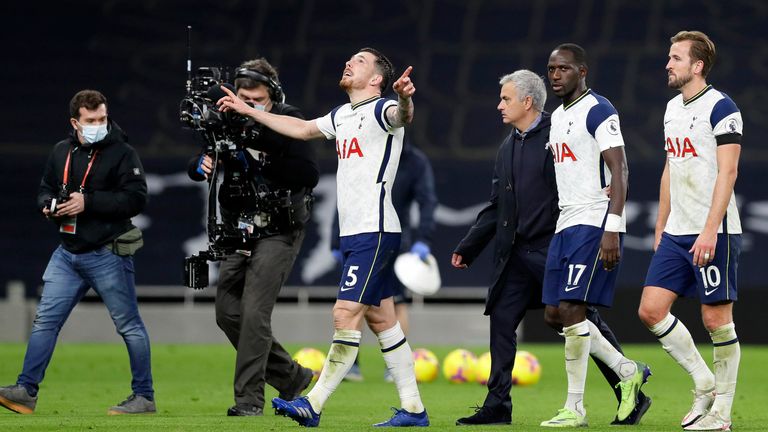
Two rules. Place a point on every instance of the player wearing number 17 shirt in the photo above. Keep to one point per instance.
(369, 137)
(698, 232)
(588, 148)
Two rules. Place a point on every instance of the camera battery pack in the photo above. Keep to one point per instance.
(195, 272)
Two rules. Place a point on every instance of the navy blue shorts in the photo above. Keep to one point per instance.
(368, 264)
(574, 272)
(672, 268)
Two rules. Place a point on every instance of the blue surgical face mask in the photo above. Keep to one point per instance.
(93, 133)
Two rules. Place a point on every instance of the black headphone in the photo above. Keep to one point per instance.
(275, 91)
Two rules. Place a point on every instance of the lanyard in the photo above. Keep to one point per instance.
(92, 158)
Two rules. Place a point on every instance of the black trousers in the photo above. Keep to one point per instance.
(522, 291)
(245, 297)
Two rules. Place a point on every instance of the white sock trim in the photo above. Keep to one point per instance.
(663, 327)
(724, 335)
(578, 329)
(391, 338)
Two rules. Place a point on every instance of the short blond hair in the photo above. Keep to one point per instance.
(702, 48)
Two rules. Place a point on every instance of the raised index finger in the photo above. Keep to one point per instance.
(407, 72)
(227, 91)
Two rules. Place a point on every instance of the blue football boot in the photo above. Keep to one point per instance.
(403, 418)
(299, 410)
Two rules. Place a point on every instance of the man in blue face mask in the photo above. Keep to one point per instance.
(92, 185)
(91, 126)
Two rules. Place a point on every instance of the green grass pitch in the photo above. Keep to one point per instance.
(193, 392)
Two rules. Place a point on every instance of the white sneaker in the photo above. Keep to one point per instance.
(712, 421)
(702, 402)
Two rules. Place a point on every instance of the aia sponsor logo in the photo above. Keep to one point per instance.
(680, 148)
(345, 151)
(562, 152)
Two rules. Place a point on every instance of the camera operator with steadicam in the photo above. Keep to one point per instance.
(267, 164)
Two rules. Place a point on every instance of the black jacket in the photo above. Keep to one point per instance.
(499, 218)
(291, 163)
(115, 190)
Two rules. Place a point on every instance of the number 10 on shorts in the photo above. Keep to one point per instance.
(710, 276)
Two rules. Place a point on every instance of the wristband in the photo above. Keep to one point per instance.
(613, 223)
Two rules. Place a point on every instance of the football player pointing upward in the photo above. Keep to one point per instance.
(369, 138)
(698, 232)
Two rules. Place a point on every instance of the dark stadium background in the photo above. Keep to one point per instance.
(135, 52)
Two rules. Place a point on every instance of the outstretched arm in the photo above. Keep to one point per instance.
(285, 125)
(405, 89)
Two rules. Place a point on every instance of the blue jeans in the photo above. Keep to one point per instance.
(66, 280)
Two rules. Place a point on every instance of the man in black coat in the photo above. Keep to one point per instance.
(521, 215)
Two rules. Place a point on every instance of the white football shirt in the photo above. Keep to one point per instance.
(580, 132)
(692, 131)
(368, 149)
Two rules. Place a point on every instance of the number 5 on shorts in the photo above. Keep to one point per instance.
(352, 281)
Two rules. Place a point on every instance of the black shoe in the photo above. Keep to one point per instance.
(486, 416)
(244, 410)
(643, 403)
(303, 378)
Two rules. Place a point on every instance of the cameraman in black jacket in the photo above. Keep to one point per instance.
(249, 281)
(92, 185)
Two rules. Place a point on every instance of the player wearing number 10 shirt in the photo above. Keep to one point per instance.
(698, 232)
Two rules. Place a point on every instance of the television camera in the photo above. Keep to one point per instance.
(253, 209)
